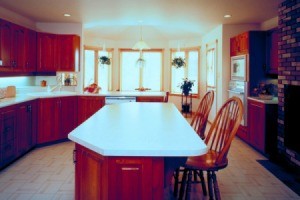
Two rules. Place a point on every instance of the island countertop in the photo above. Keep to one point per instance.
(139, 129)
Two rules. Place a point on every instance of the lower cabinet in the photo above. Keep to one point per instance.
(262, 126)
(88, 105)
(150, 99)
(56, 118)
(104, 177)
(26, 126)
(8, 140)
(18, 131)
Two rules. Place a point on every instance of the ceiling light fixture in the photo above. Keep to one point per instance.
(67, 15)
(227, 16)
(140, 45)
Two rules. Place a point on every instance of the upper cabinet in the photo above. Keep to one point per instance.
(57, 52)
(272, 51)
(24, 51)
(12, 47)
(239, 44)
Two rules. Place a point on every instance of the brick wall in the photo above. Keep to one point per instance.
(289, 66)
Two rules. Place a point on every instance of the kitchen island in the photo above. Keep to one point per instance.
(127, 150)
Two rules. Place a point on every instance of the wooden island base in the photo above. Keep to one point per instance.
(113, 177)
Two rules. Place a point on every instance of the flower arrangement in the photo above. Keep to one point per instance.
(186, 86)
(104, 60)
(178, 62)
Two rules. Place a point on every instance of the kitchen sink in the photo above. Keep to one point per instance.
(55, 93)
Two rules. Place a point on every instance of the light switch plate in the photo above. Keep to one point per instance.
(0, 62)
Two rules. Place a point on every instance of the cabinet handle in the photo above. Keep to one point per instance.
(29, 108)
(74, 156)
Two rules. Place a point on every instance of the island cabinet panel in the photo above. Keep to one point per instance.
(87, 106)
(56, 118)
(26, 126)
(8, 135)
(128, 178)
(150, 99)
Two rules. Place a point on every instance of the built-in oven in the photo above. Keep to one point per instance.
(240, 89)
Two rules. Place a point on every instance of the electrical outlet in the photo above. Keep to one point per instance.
(0, 62)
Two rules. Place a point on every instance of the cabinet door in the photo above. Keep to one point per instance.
(256, 120)
(68, 118)
(8, 130)
(87, 106)
(48, 117)
(234, 46)
(6, 45)
(26, 126)
(90, 175)
(46, 52)
(18, 48)
(30, 50)
(244, 43)
(272, 52)
(68, 52)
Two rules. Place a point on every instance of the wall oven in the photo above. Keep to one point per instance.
(240, 89)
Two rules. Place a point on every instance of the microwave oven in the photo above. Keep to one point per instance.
(239, 68)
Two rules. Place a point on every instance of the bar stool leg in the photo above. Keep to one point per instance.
(209, 183)
(189, 185)
(183, 182)
(176, 180)
(202, 182)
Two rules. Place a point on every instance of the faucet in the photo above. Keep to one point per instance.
(59, 85)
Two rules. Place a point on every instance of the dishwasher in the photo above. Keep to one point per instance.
(119, 99)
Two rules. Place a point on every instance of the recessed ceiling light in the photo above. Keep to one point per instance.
(67, 15)
(227, 16)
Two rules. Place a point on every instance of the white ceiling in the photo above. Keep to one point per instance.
(161, 19)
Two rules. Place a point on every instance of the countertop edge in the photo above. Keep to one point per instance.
(257, 99)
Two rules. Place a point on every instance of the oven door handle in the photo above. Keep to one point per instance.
(235, 92)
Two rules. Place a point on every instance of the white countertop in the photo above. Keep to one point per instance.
(139, 129)
(272, 101)
(35, 95)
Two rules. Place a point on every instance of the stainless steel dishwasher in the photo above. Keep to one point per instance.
(119, 99)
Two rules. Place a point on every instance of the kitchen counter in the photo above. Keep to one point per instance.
(139, 129)
(272, 101)
(20, 98)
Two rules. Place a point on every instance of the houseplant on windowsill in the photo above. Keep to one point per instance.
(178, 62)
(104, 60)
(186, 87)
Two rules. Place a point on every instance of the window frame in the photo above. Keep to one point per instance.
(97, 51)
(148, 50)
(186, 53)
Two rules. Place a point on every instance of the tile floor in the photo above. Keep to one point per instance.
(48, 173)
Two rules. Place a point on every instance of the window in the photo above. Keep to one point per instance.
(148, 76)
(190, 71)
(94, 72)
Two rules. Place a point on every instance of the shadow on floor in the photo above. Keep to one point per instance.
(288, 177)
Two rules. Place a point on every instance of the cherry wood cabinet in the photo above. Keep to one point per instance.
(262, 126)
(57, 52)
(103, 177)
(46, 52)
(56, 118)
(30, 50)
(150, 99)
(12, 47)
(26, 126)
(272, 52)
(68, 52)
(8, 135)
(239, 44)
(87, 106)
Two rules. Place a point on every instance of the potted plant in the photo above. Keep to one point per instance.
(178, 62)
(104, 60)
(186, 86)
